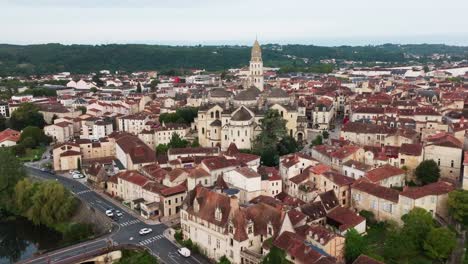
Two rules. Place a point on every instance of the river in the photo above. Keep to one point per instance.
(20, 239)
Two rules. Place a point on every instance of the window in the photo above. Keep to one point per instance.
(212, 115)
(402, 161)
(438, 162)
(203, 130)
(451, 164)
(218, 244)
(373, 204)
(209, 240)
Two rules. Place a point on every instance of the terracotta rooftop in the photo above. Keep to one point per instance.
(436, 188)
(384, 172)
(376, 190)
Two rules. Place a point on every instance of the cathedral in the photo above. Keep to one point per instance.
(227, 117)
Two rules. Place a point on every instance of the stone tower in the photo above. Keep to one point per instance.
(256, 67)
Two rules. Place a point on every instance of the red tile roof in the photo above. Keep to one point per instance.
(384, 172)
(436, 188)
(9, 134)
(344, 218)
(376, 190)
(133, 177)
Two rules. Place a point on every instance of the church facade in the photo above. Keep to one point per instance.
(226, 117)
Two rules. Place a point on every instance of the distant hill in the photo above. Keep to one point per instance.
(53, 58)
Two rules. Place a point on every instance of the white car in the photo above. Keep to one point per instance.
(110, 213)
(184, 252)
(145, 231)
(78, 176)
(118, 213)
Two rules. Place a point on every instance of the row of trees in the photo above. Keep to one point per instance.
(418, 236)
(176, 142)
(184, 115)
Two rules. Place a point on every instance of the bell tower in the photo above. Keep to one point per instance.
(256, 67)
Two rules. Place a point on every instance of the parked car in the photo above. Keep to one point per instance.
(78, 176)
(118, 213)
(184, 252)
(110, 213)
(145, 231)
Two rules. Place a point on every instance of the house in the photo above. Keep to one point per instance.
(96, 175)
(387, 176)
(247, 181)
(355, 169)
(60, 132)
(9, 137)
(332, 180)
(381, 201)
(446, 151)
(133, 153)
(221, 227)
(342, 219)
(410, 156)
(66, 156)
(431, 197)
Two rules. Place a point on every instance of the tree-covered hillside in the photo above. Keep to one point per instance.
(52, 58)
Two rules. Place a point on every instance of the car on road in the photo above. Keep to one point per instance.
(110, 213)
(118, 213)
(184, 252)
(78, 176)
(145, 231)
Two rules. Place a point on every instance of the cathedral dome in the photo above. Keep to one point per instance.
(250, 94)
(242, 115)
(278, 93)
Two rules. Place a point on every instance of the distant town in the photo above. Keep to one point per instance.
(337, 164)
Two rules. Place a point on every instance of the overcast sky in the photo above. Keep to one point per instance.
(189, 22)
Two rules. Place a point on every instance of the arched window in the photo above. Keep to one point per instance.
(212, 115)
(203, 130)
(217, 114)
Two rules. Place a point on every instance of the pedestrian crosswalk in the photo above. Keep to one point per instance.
(131, 222)
(83, 192)
(150, 240)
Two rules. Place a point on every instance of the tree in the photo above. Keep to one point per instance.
(27, 114)
(417, 224)
(287, 145)
(325, 134)
(458, 206)
(439, 243)
(161, 149)
(355, 245)
(275, 256)
(399, 247)
(93, 89)
(11, 171)
(224, 260)
(51, 204)
(3, 123)
(82, 109)
(426, 68)
(36, 135)
(273, 130)
(195, 143)
(97, 80)
(427, 172)
(266, 143)
(177, 142)
(138, 89)
(317, 141)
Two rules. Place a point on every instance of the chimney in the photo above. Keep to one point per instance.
(234, 203)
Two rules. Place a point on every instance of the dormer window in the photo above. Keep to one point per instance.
(218, 214)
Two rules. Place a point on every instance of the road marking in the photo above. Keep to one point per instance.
(131, 222)
(83, 192)
(150, 240)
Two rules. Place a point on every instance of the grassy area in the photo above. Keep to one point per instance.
(33, 154)
(136, 257)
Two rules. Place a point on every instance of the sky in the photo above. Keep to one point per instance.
(192, 22)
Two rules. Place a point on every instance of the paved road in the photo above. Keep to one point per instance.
(124, 231)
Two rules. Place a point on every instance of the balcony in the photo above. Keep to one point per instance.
(250, 257)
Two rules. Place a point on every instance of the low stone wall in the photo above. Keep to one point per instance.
(88, 215)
